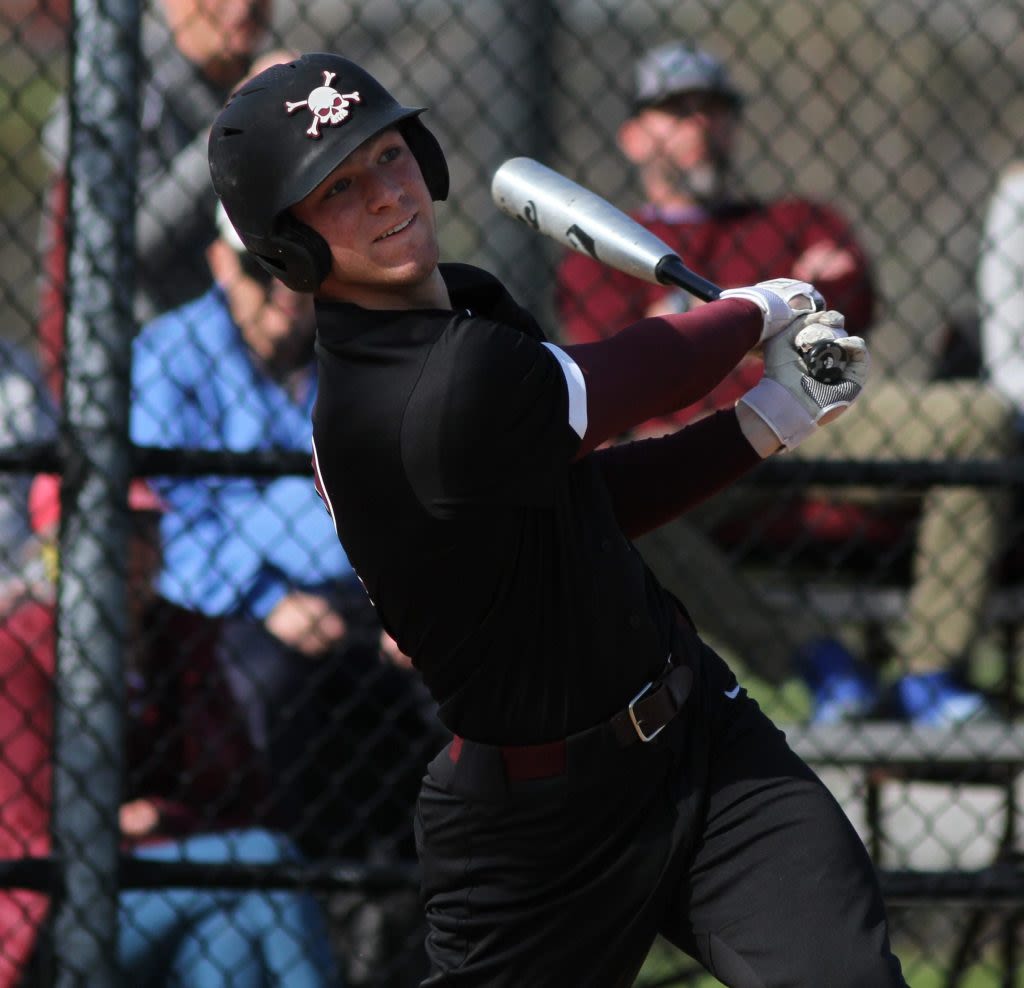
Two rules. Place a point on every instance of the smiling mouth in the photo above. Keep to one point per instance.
(396, 229)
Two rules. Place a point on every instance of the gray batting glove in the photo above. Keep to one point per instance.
(781, 300)
(791, 402)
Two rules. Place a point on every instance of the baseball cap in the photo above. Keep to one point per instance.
(675, 68)
(44, 501)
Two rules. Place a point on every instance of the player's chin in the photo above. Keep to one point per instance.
(411, 266)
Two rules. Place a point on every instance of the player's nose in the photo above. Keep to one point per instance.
(382, 190)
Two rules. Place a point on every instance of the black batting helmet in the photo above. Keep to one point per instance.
(283, 133)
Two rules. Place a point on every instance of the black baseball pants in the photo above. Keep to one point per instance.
(715, 835)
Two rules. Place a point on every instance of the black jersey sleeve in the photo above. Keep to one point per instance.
(488, 423)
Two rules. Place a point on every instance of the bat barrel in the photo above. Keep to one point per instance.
(576, 217)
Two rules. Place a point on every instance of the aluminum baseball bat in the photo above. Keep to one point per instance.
(575, 217)
(580, 219)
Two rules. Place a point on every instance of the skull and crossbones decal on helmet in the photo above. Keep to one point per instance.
(328, 106)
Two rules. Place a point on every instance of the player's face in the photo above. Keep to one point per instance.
(375, 212)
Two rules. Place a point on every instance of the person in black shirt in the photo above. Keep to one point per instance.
(607, 779)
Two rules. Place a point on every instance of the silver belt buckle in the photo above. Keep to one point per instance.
(636, 724)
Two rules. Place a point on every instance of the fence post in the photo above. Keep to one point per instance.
(522, 106)
(96, 462)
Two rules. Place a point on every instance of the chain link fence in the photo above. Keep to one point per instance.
(197, 726)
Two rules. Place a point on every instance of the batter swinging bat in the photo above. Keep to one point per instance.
(580, 219)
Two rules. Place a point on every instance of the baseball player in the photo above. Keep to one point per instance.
(608, 778)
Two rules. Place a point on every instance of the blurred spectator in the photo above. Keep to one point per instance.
(1001, 292)
(194, 53)
(27, 416)
(342, 719)
(680, 137)
(191, 789)
(233, 370)
(1001, 289)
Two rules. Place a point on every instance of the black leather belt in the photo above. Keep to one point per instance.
(639, 722)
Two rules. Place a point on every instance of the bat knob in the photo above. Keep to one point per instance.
(825, 362)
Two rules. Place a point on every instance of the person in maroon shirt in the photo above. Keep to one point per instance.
(193, 790)
(607, 779)
(680, 136)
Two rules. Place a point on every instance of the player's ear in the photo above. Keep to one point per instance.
(300, 257)
(310, 246)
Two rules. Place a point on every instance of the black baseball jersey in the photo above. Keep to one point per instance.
(445, 444)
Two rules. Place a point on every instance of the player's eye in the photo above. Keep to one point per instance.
(390, 153)
(339, 186)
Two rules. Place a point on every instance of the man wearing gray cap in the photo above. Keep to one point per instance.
(680, 136)
(682, 83)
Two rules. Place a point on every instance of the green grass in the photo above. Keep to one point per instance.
(666, 967)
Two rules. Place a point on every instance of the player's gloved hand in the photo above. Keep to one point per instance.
(781, 300)
(790, 402)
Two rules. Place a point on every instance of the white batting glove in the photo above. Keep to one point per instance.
(781, 300)
(791, 402)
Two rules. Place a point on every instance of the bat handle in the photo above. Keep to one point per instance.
(826, 362)
(670, 270)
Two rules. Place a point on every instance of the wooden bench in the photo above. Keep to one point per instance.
(987, 754)
(990, 754)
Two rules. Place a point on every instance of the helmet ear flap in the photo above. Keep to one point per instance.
(302, 258)
(429, 156)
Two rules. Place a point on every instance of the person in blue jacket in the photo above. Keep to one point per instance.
(233, 370)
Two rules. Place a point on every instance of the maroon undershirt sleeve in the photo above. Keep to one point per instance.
(651, 481)
(657, 366)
